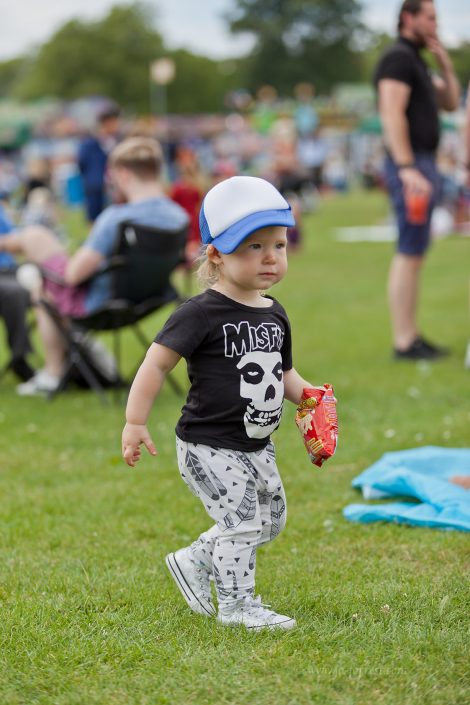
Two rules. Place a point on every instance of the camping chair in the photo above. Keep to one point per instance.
(143, 261)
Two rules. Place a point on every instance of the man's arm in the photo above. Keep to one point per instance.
(11, 243)
(446, 85)
(393, 101)
(82, 265)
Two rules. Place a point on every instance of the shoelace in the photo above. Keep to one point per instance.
(203, 580)
(255, 608)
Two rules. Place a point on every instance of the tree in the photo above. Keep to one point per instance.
(300, 40)
(372, 53)
(461, 60)
(112, 57)
(10, 73)
(200, 84)
(109, 57)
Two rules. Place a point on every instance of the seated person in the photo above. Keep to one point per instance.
(40, 209)
(14, 303)
(135, 166)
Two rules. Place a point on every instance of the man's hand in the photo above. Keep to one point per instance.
(133, 436)
(446, 85)
(440, 52)
(414, 182)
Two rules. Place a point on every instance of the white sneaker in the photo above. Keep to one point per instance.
(254, 615)
(41, 383)
(192, 580)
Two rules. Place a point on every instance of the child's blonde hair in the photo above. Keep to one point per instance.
(207, 272)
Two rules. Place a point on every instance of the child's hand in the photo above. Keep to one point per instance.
(133, 436)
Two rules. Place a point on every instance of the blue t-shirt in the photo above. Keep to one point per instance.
(159, 212)
(6, 260)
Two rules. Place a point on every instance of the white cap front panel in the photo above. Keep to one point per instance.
(234, 199)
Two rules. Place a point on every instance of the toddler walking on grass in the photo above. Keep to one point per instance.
(237, 344)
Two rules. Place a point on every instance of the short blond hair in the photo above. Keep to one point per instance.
(141, 155)
(207, 272)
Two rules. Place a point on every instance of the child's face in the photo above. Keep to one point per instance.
(259, 262)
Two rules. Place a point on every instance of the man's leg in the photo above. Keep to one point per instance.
(405, 270)
(54, 345)
(36, 243)
(14, 303)
(403, 290)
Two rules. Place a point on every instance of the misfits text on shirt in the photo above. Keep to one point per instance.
(257, 350)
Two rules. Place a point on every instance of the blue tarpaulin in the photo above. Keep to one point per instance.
(422, 474)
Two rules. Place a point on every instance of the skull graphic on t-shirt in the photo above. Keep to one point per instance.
(261, 383)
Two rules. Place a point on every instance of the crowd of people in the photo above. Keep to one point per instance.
(286, 147)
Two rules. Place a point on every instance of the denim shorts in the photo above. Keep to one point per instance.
(412, 239)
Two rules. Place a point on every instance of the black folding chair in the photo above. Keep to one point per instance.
(141, 268)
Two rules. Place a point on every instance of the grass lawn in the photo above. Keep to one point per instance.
(89, 615)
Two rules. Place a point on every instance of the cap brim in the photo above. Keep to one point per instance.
(230, 239)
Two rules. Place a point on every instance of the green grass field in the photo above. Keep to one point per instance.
(89, 615)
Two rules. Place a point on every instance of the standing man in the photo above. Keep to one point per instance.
(92, 159)
(409, 99)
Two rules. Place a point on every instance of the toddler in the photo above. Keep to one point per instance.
(237, 344)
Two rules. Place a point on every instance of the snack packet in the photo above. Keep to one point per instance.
(318, 423)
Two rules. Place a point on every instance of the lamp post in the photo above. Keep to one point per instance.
(162, 72)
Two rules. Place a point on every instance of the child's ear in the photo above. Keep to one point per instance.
(213, 254)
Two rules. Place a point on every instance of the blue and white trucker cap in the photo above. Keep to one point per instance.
(236, 207)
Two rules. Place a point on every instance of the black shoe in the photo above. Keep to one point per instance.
(22, 369)
(421, 349)
(437, 350)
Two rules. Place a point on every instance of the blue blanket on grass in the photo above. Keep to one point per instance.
(421, 473)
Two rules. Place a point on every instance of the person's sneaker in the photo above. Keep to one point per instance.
(254, 615)
(192, 580)
(22, 369)
(421, 349)
(42, 383)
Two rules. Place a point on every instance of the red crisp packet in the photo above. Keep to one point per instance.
(318, 423)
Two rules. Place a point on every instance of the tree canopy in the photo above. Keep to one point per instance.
(112, 57)
(109, 57)
(320, 41)
(298, 40)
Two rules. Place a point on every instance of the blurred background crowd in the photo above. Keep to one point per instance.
(300, 113)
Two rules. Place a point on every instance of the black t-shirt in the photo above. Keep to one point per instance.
(236, 356)
(403, 62)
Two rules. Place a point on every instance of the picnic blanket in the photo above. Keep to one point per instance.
(422, 474)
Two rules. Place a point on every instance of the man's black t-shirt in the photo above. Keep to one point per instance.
(236, 356)
(403, 62)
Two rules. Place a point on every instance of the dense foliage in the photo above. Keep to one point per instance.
(298, 41)
(320, 41)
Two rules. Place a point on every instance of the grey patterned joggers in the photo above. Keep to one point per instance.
(243, 493)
